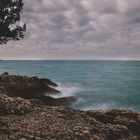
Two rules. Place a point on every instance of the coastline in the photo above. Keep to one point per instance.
(32, 117)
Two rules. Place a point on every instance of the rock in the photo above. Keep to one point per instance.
(32, 88)
(40, 117)
(16, 106)
(50, 101)
(21, 119)
(26, 87)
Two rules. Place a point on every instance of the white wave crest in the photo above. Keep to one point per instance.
(103, 106)
(67, 90)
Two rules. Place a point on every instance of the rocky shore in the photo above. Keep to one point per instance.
(29, 114)
(37, 90)
(26, 87)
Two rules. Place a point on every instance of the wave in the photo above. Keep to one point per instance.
(102, 106)
(67, 90)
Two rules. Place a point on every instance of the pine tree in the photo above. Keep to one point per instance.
(10, 12)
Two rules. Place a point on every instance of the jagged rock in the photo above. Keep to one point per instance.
(61, 123)
(18, 105)
(26, 87)
(64, 101)
(22, 119)
(32, 88)
(45, 118)
(14, 105)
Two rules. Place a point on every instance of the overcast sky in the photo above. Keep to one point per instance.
(78, 29)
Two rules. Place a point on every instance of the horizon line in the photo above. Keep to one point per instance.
(69, 59)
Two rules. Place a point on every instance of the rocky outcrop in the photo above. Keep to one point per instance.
(27, 114)
(20, 119)
(26, 87)
(63, 101)
(14, 105)
(33, 88)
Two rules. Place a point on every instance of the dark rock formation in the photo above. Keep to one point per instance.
(26, 87)
(18, 105)
(32, 88)
(22, 120)
(64, 101)
(40, 117)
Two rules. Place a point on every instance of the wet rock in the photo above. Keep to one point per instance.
(50, 101)
(60, 123)
(40, 117)
(20, 119)
(32, 88)
(26, 87)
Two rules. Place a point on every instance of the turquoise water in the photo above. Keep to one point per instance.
(97, 84)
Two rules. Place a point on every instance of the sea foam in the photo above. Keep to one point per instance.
(67, 90)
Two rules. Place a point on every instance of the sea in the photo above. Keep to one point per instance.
(97, 84)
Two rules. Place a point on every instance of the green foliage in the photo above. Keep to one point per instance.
(10, 11)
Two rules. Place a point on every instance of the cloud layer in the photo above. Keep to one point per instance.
(78, 29)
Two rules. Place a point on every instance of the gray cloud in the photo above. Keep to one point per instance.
(96, 29)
